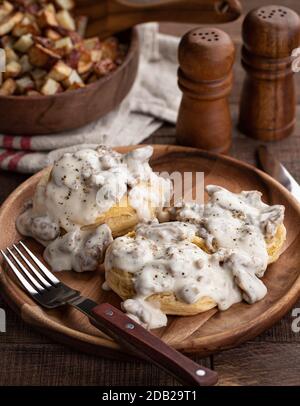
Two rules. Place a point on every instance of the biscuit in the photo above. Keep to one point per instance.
(121, 282)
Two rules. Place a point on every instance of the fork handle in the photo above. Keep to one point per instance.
(141, 342)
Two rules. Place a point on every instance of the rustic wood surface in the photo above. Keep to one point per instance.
(29, 358)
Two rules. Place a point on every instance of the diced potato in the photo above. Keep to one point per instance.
(96, 55)
(30, 15)
(38, 74)
(84, 67)
(73, 78)
(50, 7)
(10, 55)
(13, 69)
(24, 43)
(5, 9)
(24, 84)
(23, 29)
(46, 18)
(41, 56)
(33, 93)
(65, 4)
(76, 86)
(103, 67)
(50, 87)
(65, 20)
(60, 71)
(27, 20)
(81, 24)
(110, 48)
(38, 56)
(7, 41)
(8, 87)
(52, 34)
(8, 23)
(65, 44)
(25, 64)
(91, 43)
(85, 56)
(20, 29)
(85, 63)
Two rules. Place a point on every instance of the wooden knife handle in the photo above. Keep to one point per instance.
(143, 343)
(111, 16)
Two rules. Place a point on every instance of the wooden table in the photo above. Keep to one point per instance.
(273, 358)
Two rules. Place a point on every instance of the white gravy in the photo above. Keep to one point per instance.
(82, 186)
(80, 250)
(163, 259)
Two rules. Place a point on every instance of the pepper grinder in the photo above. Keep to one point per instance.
(206, 56)
(268, 103)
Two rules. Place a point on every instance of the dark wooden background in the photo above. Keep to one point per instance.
(273, 358)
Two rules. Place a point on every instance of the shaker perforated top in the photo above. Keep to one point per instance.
(271, 31)
(206, 54)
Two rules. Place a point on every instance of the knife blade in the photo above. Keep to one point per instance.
(273, 167)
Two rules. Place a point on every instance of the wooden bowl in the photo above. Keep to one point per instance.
(204, 333)
(68, 110)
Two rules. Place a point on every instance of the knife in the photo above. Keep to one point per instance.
(273, 167)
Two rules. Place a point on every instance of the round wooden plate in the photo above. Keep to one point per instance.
(205, 333)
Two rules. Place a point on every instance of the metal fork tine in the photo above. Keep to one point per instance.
(42, 267)
(28, 263)
(18, 274)
(28, 274)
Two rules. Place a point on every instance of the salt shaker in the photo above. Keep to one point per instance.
(267, 106)
(206, 56)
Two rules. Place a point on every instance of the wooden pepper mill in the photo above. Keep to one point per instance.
(206, 56)
(267, 107)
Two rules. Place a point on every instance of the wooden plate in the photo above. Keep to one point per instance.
(38, 115)
(204, 333)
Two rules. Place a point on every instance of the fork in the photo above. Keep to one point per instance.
(41, 284)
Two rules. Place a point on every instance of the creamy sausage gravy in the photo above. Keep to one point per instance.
(82, 186)
(162, 257)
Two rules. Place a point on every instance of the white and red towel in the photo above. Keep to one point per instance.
(153, 99)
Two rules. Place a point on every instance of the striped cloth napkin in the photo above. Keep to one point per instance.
(153, 99)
